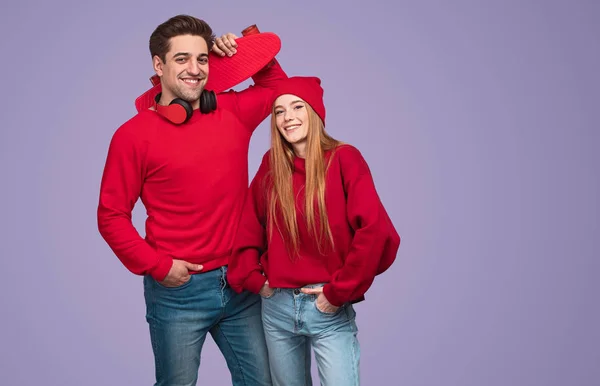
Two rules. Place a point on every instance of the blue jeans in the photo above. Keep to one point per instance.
(179, 319)
(293, 324)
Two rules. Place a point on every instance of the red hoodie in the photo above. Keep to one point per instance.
(362, 233)
(192, 179)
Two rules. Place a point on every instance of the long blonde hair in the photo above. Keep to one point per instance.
(282, 202)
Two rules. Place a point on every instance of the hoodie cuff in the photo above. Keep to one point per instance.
(332, 297)
(255, 282)
(161, 270)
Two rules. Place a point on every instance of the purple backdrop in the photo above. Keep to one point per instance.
(479, 120)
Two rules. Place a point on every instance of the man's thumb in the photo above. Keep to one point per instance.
(193, 267)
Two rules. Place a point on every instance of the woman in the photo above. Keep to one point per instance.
(312, 259)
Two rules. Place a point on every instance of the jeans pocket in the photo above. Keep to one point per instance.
(336, 312)
(270, 296)
(182, 286)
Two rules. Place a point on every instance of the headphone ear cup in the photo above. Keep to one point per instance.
(177, 112)
(208, 101)
(189, 111)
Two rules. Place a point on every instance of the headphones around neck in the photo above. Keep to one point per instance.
(180, 111)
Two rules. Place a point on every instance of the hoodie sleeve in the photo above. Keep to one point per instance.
(120, 188)
(245, 271)
(253, 104)
(367, 219)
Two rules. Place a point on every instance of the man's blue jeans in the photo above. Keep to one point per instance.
(293, 324)
(179, 319)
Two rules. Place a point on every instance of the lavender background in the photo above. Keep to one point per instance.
(479, 120)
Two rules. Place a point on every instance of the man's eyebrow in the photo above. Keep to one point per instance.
(188, 54)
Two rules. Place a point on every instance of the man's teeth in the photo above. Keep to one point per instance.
(191, 80)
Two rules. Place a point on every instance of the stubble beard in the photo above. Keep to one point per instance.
(187, 95)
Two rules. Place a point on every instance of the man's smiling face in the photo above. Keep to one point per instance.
(184, 72)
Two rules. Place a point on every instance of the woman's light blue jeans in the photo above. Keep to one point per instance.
(293, 324)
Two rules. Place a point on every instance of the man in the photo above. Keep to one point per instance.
(192, 179)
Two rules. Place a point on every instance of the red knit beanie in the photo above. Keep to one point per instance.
(306, 87)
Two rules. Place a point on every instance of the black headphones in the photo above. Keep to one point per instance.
(180, 111)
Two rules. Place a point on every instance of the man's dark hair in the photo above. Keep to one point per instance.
(177, 26)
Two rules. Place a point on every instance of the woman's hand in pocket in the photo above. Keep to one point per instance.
(323, 304)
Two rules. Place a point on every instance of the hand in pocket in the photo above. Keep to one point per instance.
(322, 303)
(266, 291)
